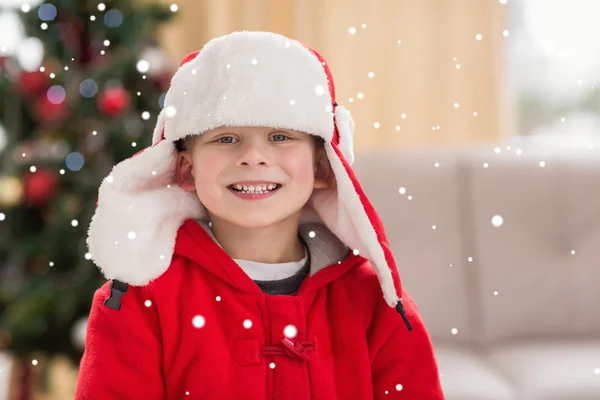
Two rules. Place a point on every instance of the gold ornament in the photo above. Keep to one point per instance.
(11, 191)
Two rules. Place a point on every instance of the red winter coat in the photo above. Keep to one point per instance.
(204, 330)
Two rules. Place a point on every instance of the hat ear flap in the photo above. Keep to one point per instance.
(345, 126)
(159, 128)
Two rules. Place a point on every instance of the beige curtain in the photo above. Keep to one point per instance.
(416, 82)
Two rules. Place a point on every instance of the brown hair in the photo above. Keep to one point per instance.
(319, 141)
(180, 145)
(185, 143)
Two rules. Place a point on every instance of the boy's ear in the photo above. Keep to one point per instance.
(185, 172)
(323, 171)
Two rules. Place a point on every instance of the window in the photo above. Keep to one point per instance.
(554, 66)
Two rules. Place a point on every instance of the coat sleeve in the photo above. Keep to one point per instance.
(122, 358)
(404, 365)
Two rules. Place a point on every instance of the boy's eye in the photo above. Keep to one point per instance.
(282, 137)
(220, 140)
(278, 137)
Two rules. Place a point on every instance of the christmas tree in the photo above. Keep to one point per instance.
(81, 85)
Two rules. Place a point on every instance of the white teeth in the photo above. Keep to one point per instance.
(256, 189)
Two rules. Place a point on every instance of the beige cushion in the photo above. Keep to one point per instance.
(543, 289)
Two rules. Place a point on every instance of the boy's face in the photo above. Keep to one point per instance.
(225, 156)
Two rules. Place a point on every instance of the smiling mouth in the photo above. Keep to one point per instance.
(255, 189)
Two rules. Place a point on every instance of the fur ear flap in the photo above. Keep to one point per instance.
(159, 128)
(345, 126)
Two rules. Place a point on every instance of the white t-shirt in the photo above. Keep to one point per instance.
(258, 271)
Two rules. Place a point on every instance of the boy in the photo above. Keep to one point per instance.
(245, 260)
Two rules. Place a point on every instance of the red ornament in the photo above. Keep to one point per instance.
(114, 101)
(32, 83)
(49, 114)
(39, 187)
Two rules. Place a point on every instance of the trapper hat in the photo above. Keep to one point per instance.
(240, 79)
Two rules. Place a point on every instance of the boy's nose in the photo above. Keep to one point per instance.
(254, 154)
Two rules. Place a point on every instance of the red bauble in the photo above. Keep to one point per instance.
(114, 101)
(32, 83)
(49, 114)
(39, 187)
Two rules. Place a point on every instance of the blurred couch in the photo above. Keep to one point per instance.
(508, 280)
